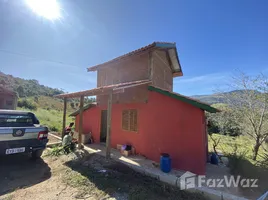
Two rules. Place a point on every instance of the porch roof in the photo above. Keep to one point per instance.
(104, 90)
(185, 99)
(90, 105)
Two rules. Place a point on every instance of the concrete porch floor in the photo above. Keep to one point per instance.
(136, 161)
(144, 166)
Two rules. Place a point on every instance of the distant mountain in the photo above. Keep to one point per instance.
(210, 99)
(26, 88)
(217, 98)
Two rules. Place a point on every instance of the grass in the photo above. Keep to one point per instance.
(50, 103)
(50, 118)
(239, 152)
(241, 144)
(10, 197)
(49, 111)
(55, 151)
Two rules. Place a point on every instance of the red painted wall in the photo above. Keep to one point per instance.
(91, 123)
(176, 128)
(165, 125)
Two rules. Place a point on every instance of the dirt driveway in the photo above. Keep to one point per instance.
(23, 178)
(79, 176)
(18, 172)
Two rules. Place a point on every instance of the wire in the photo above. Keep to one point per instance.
(25, 55)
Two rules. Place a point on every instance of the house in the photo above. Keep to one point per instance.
(8, 99)
(144, 111)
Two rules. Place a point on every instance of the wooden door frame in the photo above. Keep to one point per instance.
(102, 132)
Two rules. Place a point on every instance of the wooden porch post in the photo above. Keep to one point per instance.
(109, 114)
(80, 122)
(64, 117)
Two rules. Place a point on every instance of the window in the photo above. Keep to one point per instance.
(17, 120)
(129, 120)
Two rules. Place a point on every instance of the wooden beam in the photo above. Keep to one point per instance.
(169, 66)
(64, 117)
(80, 132)
(121, 89)
(109, 117)
(176, 74)
(151, 64)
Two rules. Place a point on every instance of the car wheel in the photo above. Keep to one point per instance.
(37, 154)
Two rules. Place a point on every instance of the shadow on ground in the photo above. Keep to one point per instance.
(244, 168)
(121, 182)
(19, 171)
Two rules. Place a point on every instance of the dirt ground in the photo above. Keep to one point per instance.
(78, 176)
(52, 139)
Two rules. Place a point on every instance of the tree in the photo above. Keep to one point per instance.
(224, 121)
(72, 104)
(215, 142)
(249, 104)
(20, 91)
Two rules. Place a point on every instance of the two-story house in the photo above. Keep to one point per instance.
(146, 113)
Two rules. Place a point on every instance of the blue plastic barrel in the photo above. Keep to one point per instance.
(214, 159)
(165, 163)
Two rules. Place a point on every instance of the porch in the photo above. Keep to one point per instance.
(145, 166)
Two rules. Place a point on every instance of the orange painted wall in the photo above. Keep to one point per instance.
(91, 123)
(176, 128)
(165, 125)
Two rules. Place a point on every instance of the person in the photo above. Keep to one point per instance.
(68, 143)
(68, 129)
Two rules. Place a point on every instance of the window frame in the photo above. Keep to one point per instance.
(129, 120)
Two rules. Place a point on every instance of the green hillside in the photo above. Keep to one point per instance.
(26, 88)
(219, 97)
(210, 99)
(39, 99)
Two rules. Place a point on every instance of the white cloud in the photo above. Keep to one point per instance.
(204, 84)
(195, 79)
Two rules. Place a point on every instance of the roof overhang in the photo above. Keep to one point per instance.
(167, 46)
(185, 99)
(116, 88)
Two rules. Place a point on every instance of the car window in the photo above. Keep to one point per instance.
(17, 120)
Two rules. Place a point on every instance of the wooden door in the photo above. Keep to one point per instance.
(103, 130)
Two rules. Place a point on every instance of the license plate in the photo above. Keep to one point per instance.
(15, 150)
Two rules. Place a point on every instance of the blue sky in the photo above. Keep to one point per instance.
(214, 38)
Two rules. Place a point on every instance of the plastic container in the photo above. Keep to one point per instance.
(214, 159)
(165, 163)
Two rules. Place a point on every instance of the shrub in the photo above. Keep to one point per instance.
(53, 128)
(72, 104)
(56, 151)
(28, 104)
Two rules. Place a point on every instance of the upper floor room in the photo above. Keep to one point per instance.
(157, 62)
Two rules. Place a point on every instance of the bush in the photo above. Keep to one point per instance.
(56, 151)
(27, 104)
(224, 122)
(53, 128)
